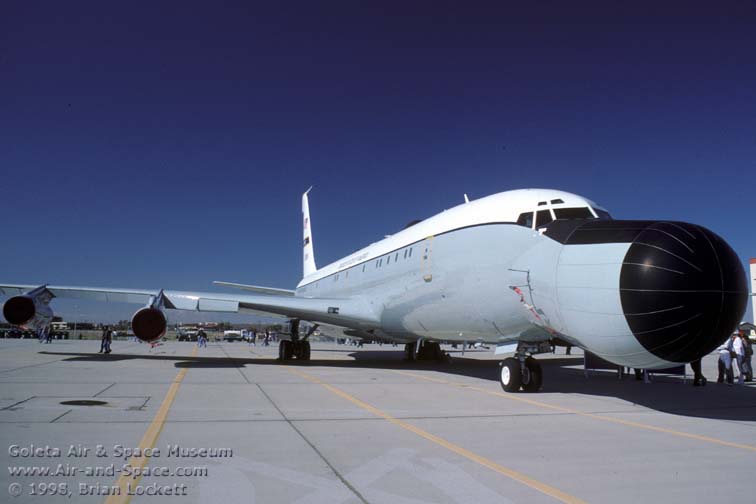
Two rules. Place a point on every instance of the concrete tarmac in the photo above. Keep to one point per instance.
(228, 424)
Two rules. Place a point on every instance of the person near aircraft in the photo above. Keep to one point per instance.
(724, 364)
(104, 339)
(748, 355)
(738, 348)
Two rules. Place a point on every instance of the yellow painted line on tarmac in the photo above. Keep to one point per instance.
(510, 473)
(604, 418)
(148, 440)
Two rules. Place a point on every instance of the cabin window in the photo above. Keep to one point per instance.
(405, 253)
(388, 260)
(543, 217)
(410, 252)
(556, 202)
(336, 278)
(363, 268)
(396, 257)
(525, 219)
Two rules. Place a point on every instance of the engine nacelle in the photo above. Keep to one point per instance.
(149, 324)
(30, 310)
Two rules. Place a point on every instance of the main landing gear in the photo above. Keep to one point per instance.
(424, 350)
(295, 348)
(298, 349)
(522, 371)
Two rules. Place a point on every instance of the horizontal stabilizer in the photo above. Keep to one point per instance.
(257, 288)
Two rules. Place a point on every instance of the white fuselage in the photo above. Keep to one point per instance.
(452, 277)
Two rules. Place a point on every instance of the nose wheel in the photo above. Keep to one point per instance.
(525, 374)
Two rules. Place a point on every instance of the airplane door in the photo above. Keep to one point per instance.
(427, 253)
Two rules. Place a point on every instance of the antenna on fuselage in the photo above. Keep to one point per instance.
(467, 200)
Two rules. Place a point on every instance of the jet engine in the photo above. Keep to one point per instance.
(30, 310)
(149, 324)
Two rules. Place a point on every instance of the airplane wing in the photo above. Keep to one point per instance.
(353, 313)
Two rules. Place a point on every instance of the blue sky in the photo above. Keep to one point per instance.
(163, 144)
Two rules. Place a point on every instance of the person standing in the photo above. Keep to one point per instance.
(108, 340)
(104, 339)
(748, 355)
(738, 347)
(725, 362)
(201, 339)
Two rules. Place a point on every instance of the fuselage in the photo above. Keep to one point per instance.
(492, 271)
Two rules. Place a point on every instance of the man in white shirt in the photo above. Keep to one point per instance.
(738, 347)
(725, 362)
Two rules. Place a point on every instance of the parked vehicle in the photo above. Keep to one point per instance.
(187, 334)
(232, 335)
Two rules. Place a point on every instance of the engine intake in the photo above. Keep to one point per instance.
(149, 324)
(29, 312)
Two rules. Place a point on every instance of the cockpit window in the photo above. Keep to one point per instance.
(602, 214)
(525, 219)
(557, 201)
(573, 213)
(543, 217)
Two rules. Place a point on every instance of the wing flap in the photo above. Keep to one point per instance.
(217, 305)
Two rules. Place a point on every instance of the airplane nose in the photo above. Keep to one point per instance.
(683, 290)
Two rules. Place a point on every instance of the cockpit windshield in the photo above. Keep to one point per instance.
(544, 216)
(573, 213)
(602, 214)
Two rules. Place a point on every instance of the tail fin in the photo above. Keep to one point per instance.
(308, 251)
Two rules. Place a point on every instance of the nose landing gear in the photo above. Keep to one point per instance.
(522, 371)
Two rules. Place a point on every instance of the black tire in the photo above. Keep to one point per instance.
(288, 347)
(511, 376)
(410, 353)
(305, 354)
(534, 376)
(281, 350)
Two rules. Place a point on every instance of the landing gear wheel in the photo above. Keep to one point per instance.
(304, 353)
(533, 376)
(511, 375)
(429, 350)
(285, 350)
(410, 353)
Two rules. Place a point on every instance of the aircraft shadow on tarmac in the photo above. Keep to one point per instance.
(563, 375)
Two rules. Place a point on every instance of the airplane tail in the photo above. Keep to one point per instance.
(308, 258)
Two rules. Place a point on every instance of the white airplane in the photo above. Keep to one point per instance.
(525, 270)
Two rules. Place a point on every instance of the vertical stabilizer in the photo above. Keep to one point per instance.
(753, 288)
(308, 254)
